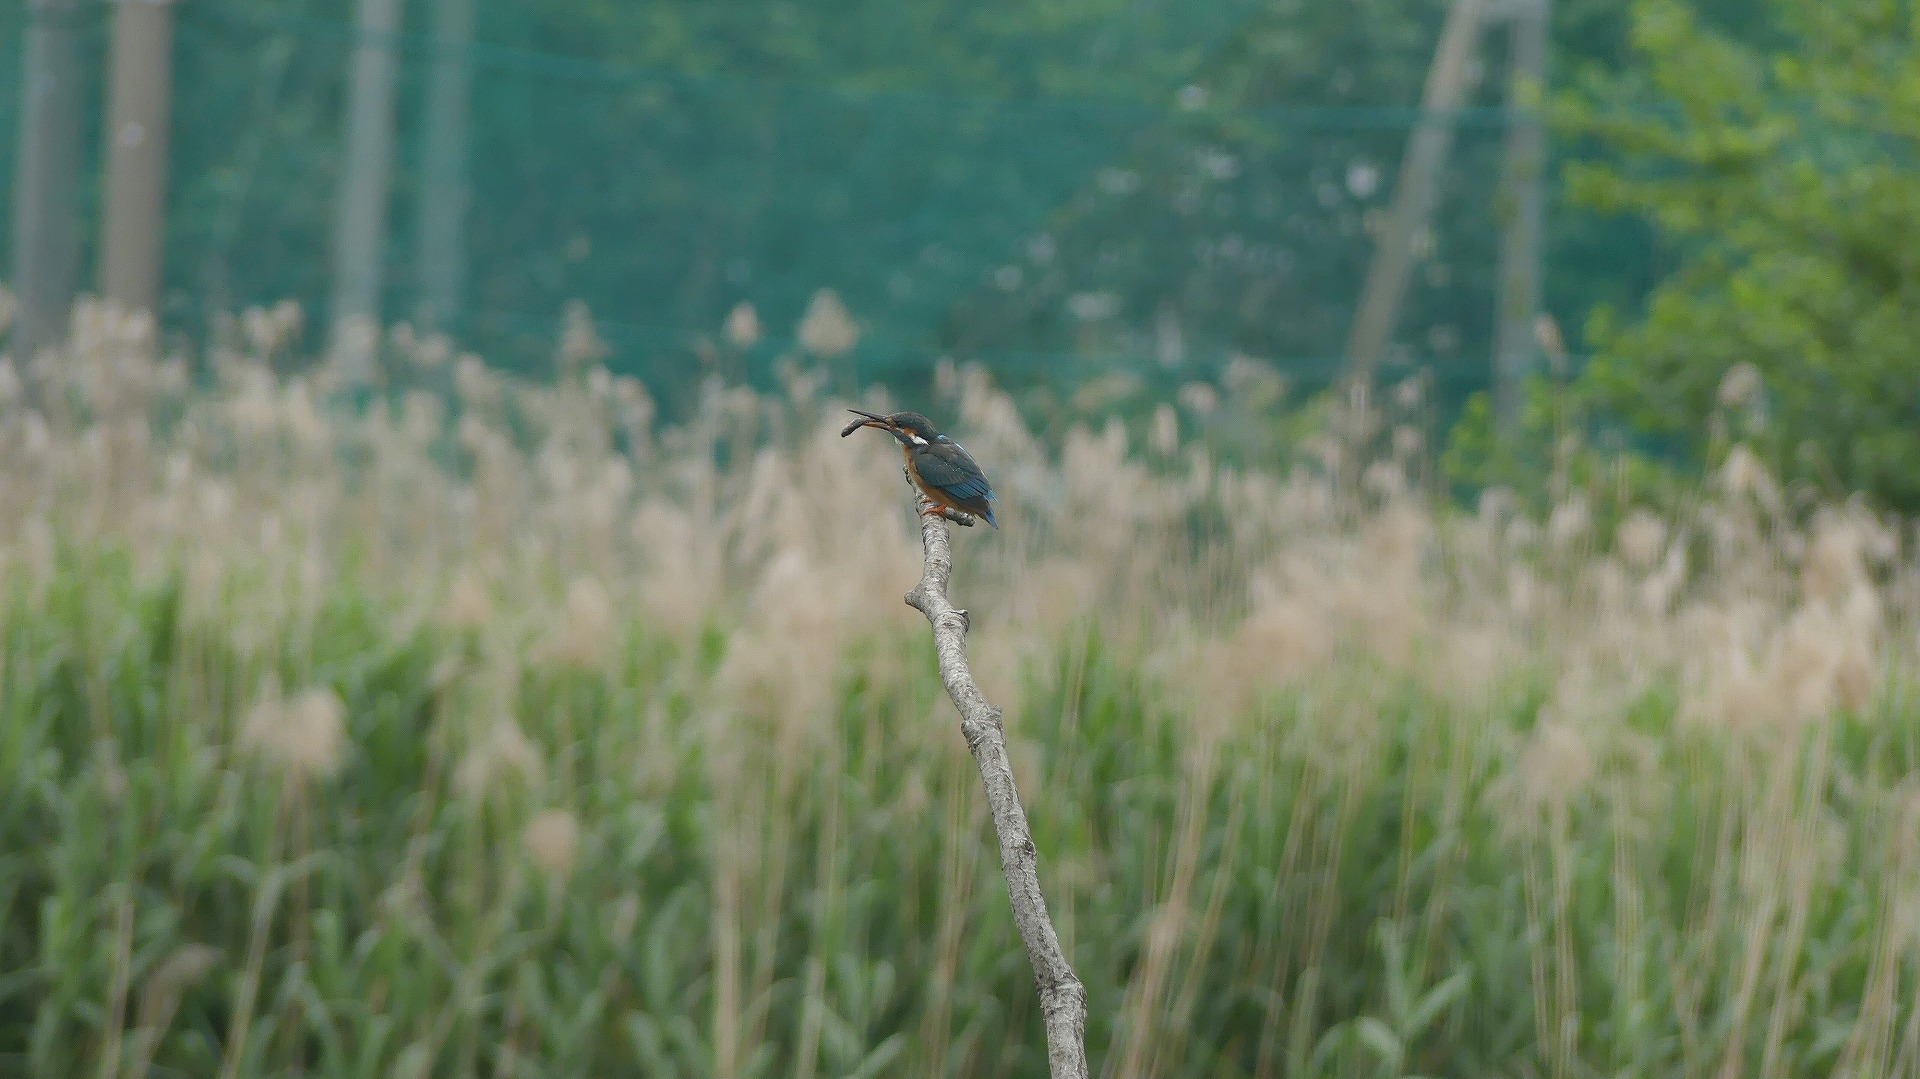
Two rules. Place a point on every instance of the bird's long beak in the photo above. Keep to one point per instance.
(871, 420)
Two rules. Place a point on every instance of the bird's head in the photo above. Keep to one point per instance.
(911, 428)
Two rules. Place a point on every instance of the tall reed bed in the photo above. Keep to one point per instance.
(494, 729)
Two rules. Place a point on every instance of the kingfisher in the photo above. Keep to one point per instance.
(937, 465)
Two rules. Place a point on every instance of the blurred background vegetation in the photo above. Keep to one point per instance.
(1099, 201)
(537, 700)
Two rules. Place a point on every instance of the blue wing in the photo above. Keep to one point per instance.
(945, 465)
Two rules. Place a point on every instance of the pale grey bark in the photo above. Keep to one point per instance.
(360, 226)
(139, 113)
(1522, 209)
(445, 191)
(46, 211)
(1063, 1000)
(1413, 195)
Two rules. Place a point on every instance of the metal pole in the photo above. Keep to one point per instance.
(46, 219)
(361, 226)
(1413, 194)
(444, 192)
(1522, 209)
(139, 113)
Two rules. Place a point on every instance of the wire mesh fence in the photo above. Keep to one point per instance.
(1055, 235)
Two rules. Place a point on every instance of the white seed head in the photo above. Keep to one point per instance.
(580, 342)
(1200, 398)
(1740, 386)
(468, 605)
(1568, 522)
(1555, 765)
(1165, 435)
(502, 756)
(742, 328)
(1640, 538)
(553, 842)
(827, 329)
(586, 624)
(476, 384)
(303, 736)
(1743, 475)
(1834, 561)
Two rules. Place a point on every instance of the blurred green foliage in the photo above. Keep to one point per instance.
(1346, 884)
(1062, 191)
(1563, 446)
(1108, 203)
(1784, 174)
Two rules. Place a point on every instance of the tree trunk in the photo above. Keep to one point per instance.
(139, 114)
(1523, 210)
(444, 190)
(46, 219)
(360, 230)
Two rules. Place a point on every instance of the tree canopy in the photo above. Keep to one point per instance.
(1784, 174)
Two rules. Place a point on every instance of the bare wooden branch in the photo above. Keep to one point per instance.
(1063, 1000)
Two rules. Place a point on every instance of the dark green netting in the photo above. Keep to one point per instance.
(1136, 194)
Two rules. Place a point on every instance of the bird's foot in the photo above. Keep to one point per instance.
(930, 509)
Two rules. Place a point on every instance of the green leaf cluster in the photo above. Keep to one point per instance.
(1784, 176)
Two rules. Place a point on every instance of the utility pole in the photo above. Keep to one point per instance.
(1413, 193)
(444, 191)
(139, 112)
(360, 229)
(1522, 209)
(46, 219)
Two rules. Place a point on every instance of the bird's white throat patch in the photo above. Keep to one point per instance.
(917, 440)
